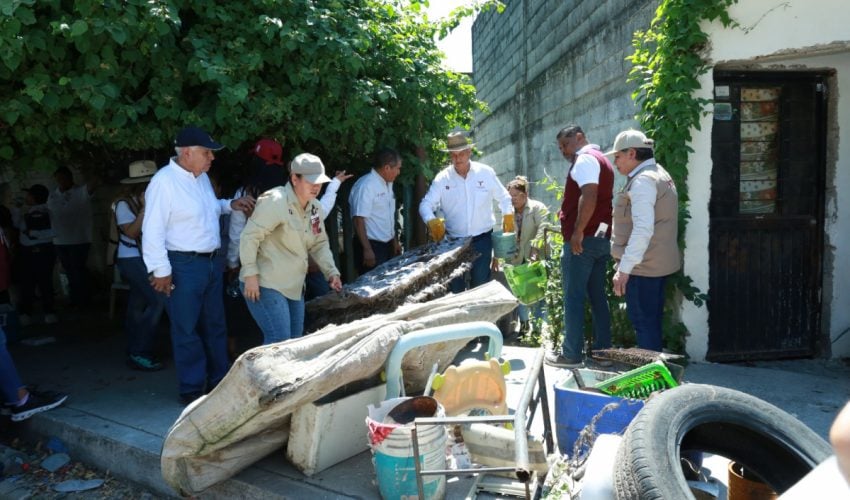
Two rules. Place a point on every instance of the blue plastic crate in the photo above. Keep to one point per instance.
(574, 409)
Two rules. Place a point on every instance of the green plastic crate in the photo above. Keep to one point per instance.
(640, 382)
(527, 281)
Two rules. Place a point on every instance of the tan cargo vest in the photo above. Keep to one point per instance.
(662, 256)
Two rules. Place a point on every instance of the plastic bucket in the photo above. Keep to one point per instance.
(575, 409)
(504, 244)
(392, 454)
(527, 281)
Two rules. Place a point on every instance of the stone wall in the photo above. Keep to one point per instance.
(543, 64)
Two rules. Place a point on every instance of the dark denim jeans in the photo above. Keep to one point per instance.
(480, 272)
(315, 285)
(144, 307)
(10, 381)
(583, 276)
(198, 328)
(280, 318)
(73, 259)
(645, 307)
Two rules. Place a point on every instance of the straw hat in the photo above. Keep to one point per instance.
(457, 141)
(140, 171)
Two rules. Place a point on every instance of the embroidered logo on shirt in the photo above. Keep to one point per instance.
(480, 184)
(447, 188)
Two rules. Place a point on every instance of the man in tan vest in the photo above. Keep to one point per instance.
(644, 236)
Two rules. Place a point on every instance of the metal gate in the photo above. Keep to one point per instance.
(766, 215)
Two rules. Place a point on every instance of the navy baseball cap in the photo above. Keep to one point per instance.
(195, 136)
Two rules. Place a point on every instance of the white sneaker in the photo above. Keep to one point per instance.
(24, 320)
(50, 319)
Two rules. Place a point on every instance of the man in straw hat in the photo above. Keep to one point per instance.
(644, 240)
(585, 217)
(144, 304)
(464, 191)
(180, 240)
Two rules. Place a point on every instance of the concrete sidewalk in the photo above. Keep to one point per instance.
(116, 419)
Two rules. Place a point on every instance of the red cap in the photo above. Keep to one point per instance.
(269, 150)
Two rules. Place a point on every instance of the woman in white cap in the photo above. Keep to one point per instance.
(144, 304)
(285, 229)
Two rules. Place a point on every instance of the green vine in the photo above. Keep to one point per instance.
(667, 61)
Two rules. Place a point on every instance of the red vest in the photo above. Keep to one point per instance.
(604, 196)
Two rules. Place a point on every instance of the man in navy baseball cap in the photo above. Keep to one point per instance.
(195, 136)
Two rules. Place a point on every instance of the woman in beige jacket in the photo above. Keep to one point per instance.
(286, 227)
(530, 221)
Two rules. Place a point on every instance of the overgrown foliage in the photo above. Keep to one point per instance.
(667, 61)
(93, 81)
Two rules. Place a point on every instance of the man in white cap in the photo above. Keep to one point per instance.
(464, 191)
(180, 239)
(645, 235)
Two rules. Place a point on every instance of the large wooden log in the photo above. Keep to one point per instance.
(428, 268)
(216, 437)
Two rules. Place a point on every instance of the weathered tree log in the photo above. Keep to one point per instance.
(214, 438)
(392, 284)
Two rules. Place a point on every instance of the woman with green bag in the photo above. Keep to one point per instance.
(530, 219)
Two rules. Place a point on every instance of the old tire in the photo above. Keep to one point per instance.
(768, 441)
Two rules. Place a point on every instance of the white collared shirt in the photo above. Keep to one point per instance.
(642, 193)
(467, 204)
(372, 198)
(182, 214)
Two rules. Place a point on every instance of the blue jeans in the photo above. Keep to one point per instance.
(280, 318)
(645, 307)
(10, 381)
(73, 259)
(583, 276)
(198, 328)
(144, 307)
(536, 309)
(480, 272)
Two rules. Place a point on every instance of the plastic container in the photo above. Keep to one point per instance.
(527, 281)
(575, 408)
(392, 454)
(504, 244)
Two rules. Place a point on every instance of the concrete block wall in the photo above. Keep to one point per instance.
(543, 64)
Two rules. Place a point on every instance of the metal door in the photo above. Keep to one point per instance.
(766, 215)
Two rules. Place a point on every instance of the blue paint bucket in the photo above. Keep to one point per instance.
(392, 454)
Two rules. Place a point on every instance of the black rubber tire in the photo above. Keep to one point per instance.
(768, 441)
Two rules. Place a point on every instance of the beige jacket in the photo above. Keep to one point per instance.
(534, 220)
(661, 256)
(277, 239)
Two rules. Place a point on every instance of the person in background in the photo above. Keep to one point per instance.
(464, 191)
(37, 255)
(530, 219)
(144, 304)
(373, 210)
(22, 403)
(585, 225)
(285, 228)
(645, 235)
(71, 216)
(316, 285)
(180, 240)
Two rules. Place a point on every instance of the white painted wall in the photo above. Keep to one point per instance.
(777, 35)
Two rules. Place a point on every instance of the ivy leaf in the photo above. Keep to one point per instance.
(79, 28)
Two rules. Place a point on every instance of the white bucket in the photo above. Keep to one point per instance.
(392, 454)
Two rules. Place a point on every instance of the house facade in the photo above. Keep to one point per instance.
(768, 176)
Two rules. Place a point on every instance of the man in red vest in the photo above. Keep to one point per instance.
(585, 225)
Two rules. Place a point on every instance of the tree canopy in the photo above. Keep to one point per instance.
(94, 81)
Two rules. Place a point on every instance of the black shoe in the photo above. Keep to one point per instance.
(188, 397)
(561, 361)
(143, 363)
(37, 403)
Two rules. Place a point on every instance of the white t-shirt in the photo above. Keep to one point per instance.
(71, 216)
(586, 167)
(127, 247)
